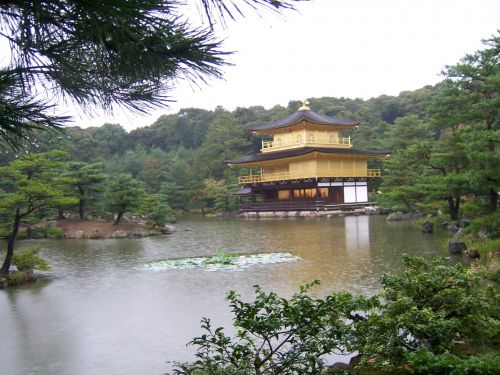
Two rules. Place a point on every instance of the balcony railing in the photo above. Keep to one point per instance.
(283, 176)
(277, 145)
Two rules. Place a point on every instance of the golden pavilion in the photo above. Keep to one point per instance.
(308, 165)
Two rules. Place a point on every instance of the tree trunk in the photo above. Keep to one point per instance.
(454, 207)
(81, 203)
(60, 215)
(493, 200)
(81, 209)
(10, 244)
(491, 148)
(118, 218)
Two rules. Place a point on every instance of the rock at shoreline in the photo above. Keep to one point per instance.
(119, 234)
(427, 227)
(167, 229)
(95, 229)
(394, 216)
(370, 210)
(457, 244)
(456, 247)
(96, 234)
(138, 233)
(465, 222)
(474, 254)
(452, 227)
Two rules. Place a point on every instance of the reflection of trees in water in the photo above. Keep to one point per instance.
(29, 317)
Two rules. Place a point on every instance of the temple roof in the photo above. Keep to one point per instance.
(308, 115)
(303, 151)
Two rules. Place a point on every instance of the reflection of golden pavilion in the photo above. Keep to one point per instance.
(307, 165)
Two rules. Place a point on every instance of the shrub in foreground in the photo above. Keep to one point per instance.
(432, 309)
(275, 335)
(434, 318)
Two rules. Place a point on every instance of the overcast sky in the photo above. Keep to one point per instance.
(349, 48)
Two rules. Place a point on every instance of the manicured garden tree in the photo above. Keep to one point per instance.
(123, 194)
(155, 207)
(86, 179)
(225, 200)
(31, 183)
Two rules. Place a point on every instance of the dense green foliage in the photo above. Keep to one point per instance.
(124, 194)
(431, 309)
(30, 184)
(28, 259)
(437, 157)
(181, 156)
(453, 153)
(434, 318)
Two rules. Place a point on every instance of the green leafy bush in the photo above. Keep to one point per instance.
(489, 223)
(425, 362)
(434, 318)
(437, 221)
(29, 260)
(275, 335)
(473, 208)
(485, 247)
(225, 200)
(430, 308)
(49, 232)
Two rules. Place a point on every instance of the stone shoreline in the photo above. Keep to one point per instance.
(304, 214)
(93, 229)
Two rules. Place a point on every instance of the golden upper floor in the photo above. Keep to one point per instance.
(307, 145)
(305, 138)
(305, 128)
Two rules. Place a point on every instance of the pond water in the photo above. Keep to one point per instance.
(100, 311)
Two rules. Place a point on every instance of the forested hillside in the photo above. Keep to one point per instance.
(443, 139)
(182, 155)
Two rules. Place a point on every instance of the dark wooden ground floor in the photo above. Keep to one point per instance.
(300, 206)
(305, 195)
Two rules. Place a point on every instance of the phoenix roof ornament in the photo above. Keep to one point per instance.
(305, 104)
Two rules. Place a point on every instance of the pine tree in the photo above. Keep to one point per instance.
(102, 54)
(29, 184)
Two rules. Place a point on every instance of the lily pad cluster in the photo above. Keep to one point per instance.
(221, 262)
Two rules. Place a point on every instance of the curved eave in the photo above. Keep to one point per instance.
(256, 159)
(309, 116)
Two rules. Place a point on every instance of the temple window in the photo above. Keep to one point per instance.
(323, 192)
(284, 194)
(304, 193)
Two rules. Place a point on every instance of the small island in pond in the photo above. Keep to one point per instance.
(95, 229)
